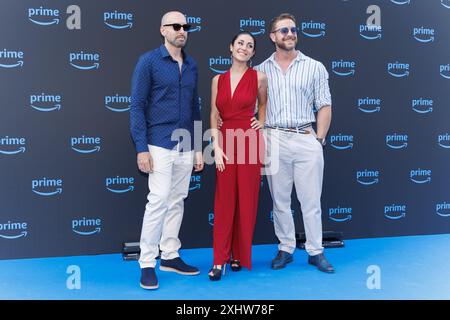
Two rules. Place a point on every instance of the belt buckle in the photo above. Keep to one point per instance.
(303, 131)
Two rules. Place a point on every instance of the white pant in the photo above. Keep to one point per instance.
(168, 186)
(300, 162)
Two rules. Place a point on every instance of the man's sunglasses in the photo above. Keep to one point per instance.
(285, 30)
(177, 26)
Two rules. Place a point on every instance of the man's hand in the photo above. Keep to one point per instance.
(145, 162)
(198, 161)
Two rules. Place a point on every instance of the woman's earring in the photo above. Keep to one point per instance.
(250, 63)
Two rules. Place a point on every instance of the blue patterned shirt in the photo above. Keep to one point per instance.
(163, 99)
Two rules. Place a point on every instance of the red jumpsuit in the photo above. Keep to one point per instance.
(237, 187)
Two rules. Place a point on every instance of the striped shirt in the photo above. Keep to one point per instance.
(292, 96)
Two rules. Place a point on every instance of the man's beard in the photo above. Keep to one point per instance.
(178, 42)
(282, 44)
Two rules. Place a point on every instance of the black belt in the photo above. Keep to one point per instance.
(299, 129)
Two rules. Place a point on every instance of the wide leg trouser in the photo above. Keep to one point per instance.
(236, 204)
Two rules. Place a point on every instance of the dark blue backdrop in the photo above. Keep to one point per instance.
(69, 183)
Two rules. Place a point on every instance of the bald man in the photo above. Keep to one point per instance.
(164, 99)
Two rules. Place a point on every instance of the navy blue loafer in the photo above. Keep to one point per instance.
(282, 259)
(177, 265)
(321, 263)
(149, 280)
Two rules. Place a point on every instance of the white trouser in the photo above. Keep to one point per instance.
(168, 186)
(300, 162)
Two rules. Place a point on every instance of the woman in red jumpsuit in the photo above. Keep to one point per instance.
(238, 150)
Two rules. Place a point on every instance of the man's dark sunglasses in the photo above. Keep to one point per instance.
(285, 30)
(177, 26)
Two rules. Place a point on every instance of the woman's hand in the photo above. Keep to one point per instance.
(218, 158)
(256, 124)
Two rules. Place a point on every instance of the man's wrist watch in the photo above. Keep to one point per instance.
(322, 141)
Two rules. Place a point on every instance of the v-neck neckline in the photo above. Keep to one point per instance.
(233, 93)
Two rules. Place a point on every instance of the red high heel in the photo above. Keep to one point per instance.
(235, 265)
(217, 273)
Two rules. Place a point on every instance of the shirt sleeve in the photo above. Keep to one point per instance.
(196, 111)
(322, 96)
(140, 90)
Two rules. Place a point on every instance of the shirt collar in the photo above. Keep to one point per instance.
(300, 56)
(165, 53)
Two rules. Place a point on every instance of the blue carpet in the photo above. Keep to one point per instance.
(416, 267)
